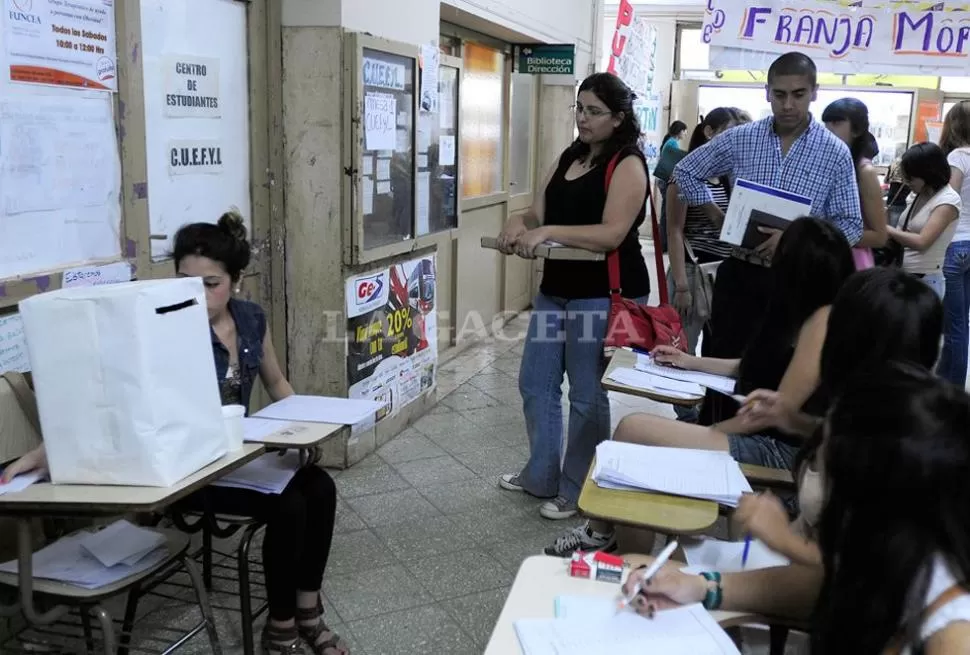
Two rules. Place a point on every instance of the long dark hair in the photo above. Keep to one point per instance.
(676, 129)
(618, 98)
(897, 461)
(716, 119)
(854, 111)
(956, 128)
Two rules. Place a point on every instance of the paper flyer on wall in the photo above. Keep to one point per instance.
(392, 334)
(61, 43)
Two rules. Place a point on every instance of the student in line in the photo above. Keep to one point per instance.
(894, 531)
(848, 119)
(671, 140)
(955, 141)
(299, 521)
(695, 240)
(812, 263)
(930, 221)
(788, 150)
(880, 315)
(570, 312)
(670, 154)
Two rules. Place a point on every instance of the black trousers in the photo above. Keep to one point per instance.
(299, 530)
(742, 292)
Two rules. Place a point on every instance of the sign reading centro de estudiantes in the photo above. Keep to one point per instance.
(546, 59)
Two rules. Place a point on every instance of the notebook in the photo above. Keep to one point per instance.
(720, 383)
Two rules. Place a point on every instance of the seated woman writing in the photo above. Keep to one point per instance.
(811, 263)
(894, 531)
(299, 521)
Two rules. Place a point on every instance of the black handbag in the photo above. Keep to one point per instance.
(891, 254)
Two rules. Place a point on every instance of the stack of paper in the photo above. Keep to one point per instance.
(704, 474)
(719, 383)
(320, 409)
(593, 626)
(20, 483)
(259, 429)
(663, 386)
(268, 475)
(71, 561)
(726, 556)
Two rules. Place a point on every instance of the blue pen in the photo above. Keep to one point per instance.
(639, 350)
(747, 547)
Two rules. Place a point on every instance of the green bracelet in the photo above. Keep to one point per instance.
(712, 601)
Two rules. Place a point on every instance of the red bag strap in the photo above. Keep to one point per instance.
(613, 258)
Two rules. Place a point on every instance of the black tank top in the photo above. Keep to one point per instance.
(581, 202)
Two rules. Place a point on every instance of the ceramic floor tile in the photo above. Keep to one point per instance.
(426, 630)
(409, 446)
(478, 613)
(424, 537)
(371, 476)
(432, 425)
(466, 496)
(459, 574)
(468, 439)
(347, 520)
(494, 382)
(393, 507)
(467, 397)
(487, 528)
(492, 462)
(372, 592)
(490, 416)
(437, 471)
(508, 365)
(353, 551)
(510, 553)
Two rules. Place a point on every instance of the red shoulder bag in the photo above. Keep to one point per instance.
(631, 324)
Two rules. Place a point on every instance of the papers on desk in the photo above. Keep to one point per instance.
(662, 386)
(258, 430)
(20, 483)
(121, 543)
(719, 383)
(703, 474)
(772, 203)
(725, 556)
(320, 409)
(268, 474)
(67, 560)
(593, 626)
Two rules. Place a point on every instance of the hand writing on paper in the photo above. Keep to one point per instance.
(765, 518)
(765, 409)
(670, 356)
(34, 461)
(527, 243)
(669, 588)
(767, 249)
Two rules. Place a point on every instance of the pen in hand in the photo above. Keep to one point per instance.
(649, 573)
(747, 549)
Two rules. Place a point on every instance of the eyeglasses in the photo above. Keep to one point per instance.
(590, 112)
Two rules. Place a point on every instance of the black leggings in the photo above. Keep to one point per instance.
(299, 529)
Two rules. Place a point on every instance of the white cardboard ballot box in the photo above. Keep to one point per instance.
(126, 383)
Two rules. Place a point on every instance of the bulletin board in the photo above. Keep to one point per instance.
(443, 154)
(196, 85)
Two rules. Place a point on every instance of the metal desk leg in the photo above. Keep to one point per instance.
(203, 599)
(25, 578)
(107, 630)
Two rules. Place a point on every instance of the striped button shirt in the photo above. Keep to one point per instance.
(818, 165)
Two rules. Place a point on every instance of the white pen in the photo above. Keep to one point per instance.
(650, 572)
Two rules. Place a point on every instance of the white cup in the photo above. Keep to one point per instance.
(232, 416)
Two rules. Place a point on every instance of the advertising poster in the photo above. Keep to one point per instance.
(392, 334)
(61, 43)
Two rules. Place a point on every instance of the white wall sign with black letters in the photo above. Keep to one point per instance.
(193, 157)
(191, 87)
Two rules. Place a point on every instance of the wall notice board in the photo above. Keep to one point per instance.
(195, 62)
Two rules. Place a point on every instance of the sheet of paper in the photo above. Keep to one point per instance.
(423, 189)
(430, 61)
(422, 160)
(367, 195)
(383, 169)
(380, 121)
(720, 383)
(747, 196)
(13, 345)
(590, 609)
(402, 141)
(320, 409)
(121, 542)
(367, 165)
(268, 474)
(258, 429)
(383, 188)
(93, 276)
(660, 385)
(20, 483)
(425, 125)
(446, 151)
(726, 556)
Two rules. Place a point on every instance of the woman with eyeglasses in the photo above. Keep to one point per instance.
(570, 312)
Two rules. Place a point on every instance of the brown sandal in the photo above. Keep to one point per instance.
(276, 641)
(312, 635)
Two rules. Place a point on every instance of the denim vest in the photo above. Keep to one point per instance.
(250, 323)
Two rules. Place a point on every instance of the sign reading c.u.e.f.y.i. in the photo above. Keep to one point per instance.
(849, 37)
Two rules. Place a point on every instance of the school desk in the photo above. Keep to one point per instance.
(623, 358)
(540, 580)
(300, 436)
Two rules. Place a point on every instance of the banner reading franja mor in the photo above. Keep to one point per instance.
(61, 43)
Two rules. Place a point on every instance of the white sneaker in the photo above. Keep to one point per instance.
(558, 509)
(584, 539)
(510, 482)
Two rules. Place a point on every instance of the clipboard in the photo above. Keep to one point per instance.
(752, 237)
(554, 251)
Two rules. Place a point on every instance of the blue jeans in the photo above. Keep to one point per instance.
(565, 336)
(956, 307)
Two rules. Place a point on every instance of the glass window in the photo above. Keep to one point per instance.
(443, 155)
(955, 84)
(521, 138)
(482, 101)
(692, 52)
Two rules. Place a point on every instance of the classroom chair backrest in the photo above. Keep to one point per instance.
(19, 422)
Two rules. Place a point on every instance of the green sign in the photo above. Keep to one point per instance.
(545, 59)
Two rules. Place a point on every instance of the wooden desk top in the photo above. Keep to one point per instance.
(544, 251)
(301, 435)
(96, 500)
(643, 509)
(762, 476)
(625, 359)
(539, 581)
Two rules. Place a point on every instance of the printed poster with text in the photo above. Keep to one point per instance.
(61, 43)
(392, 334)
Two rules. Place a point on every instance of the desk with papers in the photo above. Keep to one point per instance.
(621, 376)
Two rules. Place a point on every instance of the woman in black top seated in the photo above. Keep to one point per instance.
(570, 313)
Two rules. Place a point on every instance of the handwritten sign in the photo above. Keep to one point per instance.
(380, 114)
(191, 87)
(95, 276)
(633, 50)
(384, 74)
(839, 39)
(13, 345)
